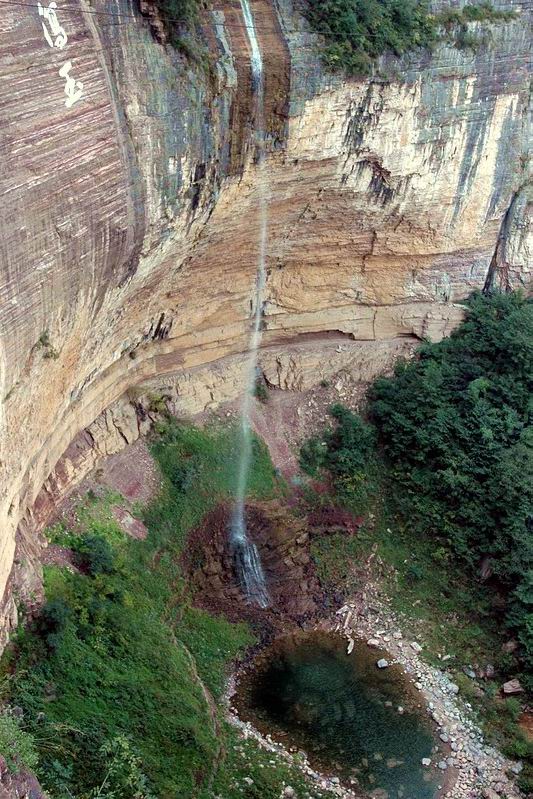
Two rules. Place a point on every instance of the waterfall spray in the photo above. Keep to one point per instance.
(246, 556)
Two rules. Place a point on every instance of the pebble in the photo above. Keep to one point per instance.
(382, 663)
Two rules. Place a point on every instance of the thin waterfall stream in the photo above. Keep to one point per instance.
(246, 556)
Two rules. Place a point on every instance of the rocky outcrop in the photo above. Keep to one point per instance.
(19, 784)
(282, 541)
(129, 214)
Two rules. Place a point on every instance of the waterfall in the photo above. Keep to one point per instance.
(246, 557)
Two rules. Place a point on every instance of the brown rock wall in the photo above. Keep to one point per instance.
(128, 232)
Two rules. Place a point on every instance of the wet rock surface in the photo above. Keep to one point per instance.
(282, 542)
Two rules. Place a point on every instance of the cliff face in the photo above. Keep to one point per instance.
(130, 217)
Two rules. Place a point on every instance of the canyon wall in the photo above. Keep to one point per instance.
(130, 217)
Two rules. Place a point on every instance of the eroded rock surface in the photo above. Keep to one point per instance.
(129, 219)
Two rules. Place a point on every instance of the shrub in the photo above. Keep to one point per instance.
(455, 427)
(129, 655)
(52, 621)
(347, 451)
(178, 17)
(95, 555)
(260, 390)
(454, 431)
(123, 776)
(356, 32)
(17, 746)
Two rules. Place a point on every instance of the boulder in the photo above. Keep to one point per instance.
(382, 663)
(512, 687)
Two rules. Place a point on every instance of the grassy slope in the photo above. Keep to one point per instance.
(128, 661)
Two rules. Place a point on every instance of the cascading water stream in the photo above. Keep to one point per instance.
(246, 556)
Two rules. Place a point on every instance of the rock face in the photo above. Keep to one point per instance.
(18, 784)
(130, 217)
(283, 544)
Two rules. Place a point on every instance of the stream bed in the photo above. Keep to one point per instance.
(365, 725)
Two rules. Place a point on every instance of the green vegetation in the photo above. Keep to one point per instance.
(44, 344)
(112, 675)
(448, 491)
(348, 453)
(260, 390)
(180, 18)
(455, 427)
(356, 32)
(17, 745)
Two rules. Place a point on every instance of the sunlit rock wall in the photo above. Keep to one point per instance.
(129, 219)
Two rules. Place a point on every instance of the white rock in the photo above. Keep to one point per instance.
(382, 663)
(416, 646)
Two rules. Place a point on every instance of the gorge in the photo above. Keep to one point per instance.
(391, 200)
(192, 211)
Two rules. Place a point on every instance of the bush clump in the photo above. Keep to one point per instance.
(51, 623)
(455, 427)
(17, 746)
(95, 555)
(455, 440)
(356, 32)
(111, 675)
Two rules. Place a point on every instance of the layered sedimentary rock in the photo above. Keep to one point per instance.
(130, 217)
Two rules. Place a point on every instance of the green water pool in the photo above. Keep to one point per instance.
(363, 724)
